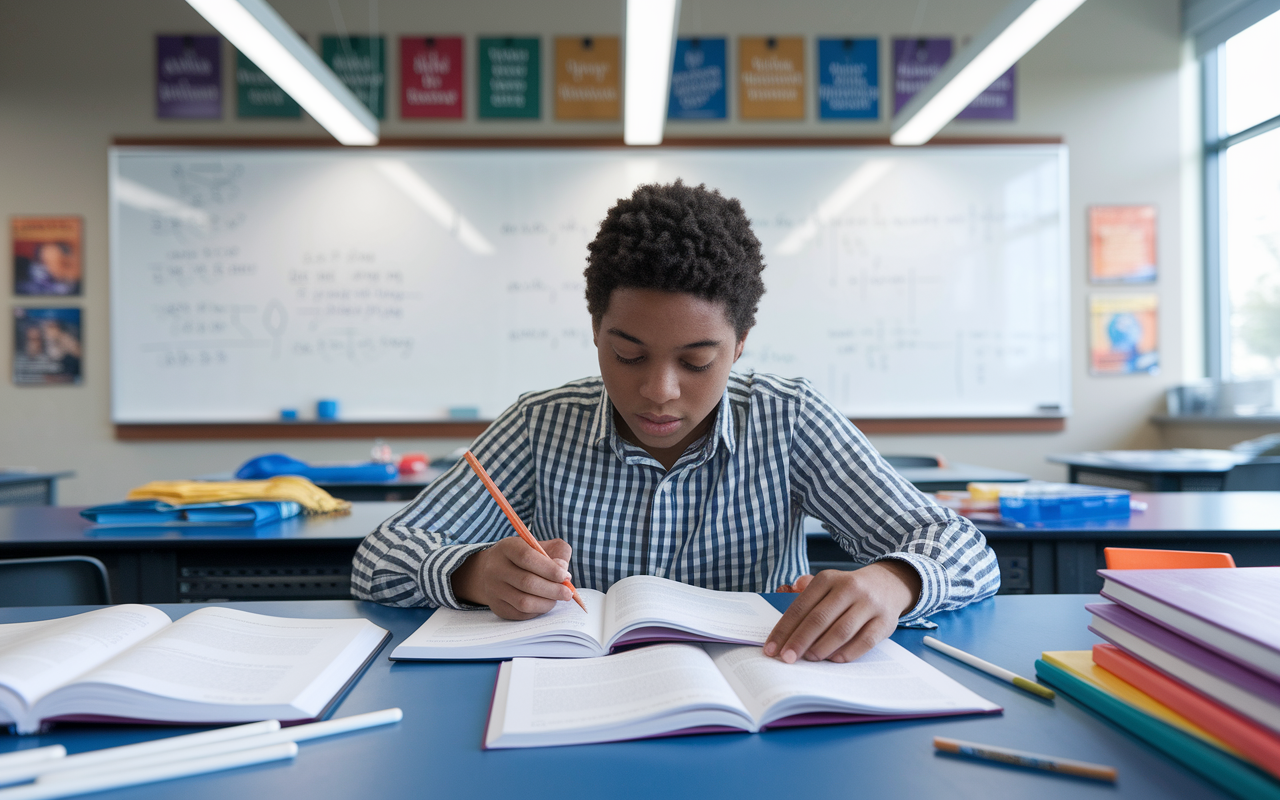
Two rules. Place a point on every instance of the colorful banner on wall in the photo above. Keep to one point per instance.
(46, 346)
(257, 96)
(587, 84)
(698, 80)
(1124, 334)
(360, 62)
(510, 78)
(771, 77)
(47, 256)
(1122, 244)
(848, 78)
(431, 77)
(189, 77)
(917, 61)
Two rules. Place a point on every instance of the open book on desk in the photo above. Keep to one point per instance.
(674, 689)
(636, 610)
(131, 663)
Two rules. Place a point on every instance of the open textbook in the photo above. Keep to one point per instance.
(674, 689)
(132, 663)
(635, 610)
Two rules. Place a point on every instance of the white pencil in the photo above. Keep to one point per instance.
(297, 733)
(991, 669)
(25, 772)
(152, 774)
(36, 754)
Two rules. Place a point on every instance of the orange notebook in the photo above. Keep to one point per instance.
(1258, 744)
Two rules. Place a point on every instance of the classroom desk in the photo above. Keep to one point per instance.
(435, 750)
(30, 488)
(1064, 559)
(304, 558)
(1149, 470)
(956, 476)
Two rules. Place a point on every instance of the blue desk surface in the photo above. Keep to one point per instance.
(435, 751)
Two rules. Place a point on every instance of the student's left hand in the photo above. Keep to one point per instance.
(841, 615)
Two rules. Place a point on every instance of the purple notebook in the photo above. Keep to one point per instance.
(1182, 650)
(1233, 612)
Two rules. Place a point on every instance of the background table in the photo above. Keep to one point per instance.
(435, 751)
(30, 488)
(1148, 471)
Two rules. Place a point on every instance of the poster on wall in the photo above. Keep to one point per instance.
(258, 97)
(917, 60)
(510, 78)
(1124, 334)
(996, 101)
(1122, 244)
(47, 256)
(360, 63)
(698, 80)
(431, 77)
(46, 346)
(586, 78)
(189, 77)
(849, 78)
(771, 77)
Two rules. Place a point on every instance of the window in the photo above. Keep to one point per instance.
(1242, 198)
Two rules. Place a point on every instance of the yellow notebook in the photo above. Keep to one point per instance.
(1080, 664)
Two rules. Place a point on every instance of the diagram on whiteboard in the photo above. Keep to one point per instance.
(410, 285)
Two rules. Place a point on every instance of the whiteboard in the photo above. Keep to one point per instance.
(428, 284)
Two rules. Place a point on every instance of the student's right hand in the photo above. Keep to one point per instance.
(515, 580)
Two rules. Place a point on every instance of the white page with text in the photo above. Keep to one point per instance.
(644, 600)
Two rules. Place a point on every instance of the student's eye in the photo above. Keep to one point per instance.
(697, 367)
(635, 360)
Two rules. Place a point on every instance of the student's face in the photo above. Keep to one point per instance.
(665, 359)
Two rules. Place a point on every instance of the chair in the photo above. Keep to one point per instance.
(1138, 558)
(915, 461)
(1261, 475)
(54, 581)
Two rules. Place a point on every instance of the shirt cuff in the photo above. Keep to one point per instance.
(435, 576)
(933, 584)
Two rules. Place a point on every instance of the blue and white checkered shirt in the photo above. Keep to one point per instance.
(728, 515)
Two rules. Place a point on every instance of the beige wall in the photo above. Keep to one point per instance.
(74, 74)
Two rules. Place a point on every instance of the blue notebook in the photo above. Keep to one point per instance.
(155, 512)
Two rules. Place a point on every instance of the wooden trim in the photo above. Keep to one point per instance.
(469, 429)
(563, 142)
(1261, 420)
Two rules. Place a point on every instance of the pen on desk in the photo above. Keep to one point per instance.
(515, 520)
(35, 755)
(989, 668)
(1005, 755)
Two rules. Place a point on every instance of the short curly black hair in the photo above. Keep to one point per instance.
(677, 238)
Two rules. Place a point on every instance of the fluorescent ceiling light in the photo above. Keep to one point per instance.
(429, 200)
(1008, 38)
(844, 196)
(651, 38)
(267, 40)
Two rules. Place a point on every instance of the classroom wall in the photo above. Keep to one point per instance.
(74, 74)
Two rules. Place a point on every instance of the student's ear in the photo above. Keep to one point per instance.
(595, 333)
(737, 349)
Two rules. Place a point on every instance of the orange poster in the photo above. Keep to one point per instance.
(1122, 244)
(771, 77)
(587, 84)
(47, 255)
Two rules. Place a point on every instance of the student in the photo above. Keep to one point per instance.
(669, 464)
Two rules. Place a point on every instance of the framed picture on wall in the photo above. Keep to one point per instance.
(1124, 334)
(47, 345)
(47, 256)
(1122, 244)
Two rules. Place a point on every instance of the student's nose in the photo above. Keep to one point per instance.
(661, 385)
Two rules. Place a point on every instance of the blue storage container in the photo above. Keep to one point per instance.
(1039, 503)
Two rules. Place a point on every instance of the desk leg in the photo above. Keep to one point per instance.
(1043, 568)
(1077, 567)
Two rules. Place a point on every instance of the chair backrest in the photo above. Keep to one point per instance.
(54, 581)
(1138, 558)
(915, 461)
(1261, 475)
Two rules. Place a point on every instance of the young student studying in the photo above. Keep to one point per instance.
(668, 464)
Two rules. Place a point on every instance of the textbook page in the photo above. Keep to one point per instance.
(547, 696)
(221, 656)
(38, 657)
(481, 633)
(887, 680)
(645, 600)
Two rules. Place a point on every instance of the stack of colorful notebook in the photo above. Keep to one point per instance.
(1192, 667)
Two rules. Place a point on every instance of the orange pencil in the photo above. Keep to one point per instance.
(515, 520)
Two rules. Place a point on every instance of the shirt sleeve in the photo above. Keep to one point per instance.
(410, 559)
(876, 514)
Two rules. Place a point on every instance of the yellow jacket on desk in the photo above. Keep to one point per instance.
(285, 487)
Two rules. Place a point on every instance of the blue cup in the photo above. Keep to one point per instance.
(327, 409)
(288, 414)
